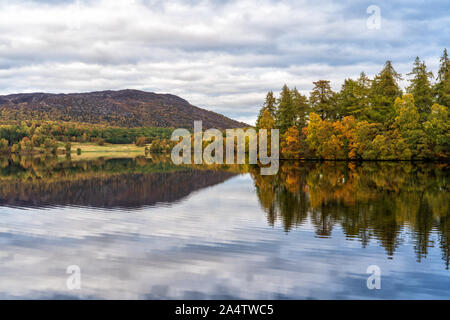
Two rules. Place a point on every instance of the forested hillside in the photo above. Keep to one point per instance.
(125, 108)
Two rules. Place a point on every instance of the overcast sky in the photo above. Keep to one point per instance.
(220, 55)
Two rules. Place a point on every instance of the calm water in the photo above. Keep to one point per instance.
(145, 229)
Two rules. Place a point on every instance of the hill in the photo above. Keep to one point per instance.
(124, 108)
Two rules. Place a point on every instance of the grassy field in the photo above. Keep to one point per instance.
(107, 148)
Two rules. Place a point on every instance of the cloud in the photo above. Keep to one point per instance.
(220, 55)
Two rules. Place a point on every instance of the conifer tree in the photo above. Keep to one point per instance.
(322, 100)
(285, 117)
(269, 105)
(442, 86)
(420, 87)
(384, 91)
(300, 108)
(353, 99)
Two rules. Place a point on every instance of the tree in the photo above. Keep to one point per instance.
(37, 139)
(286, 115)
(420, 87)
(365, 132)
(442, 86)
(100, 141)
(68, 147)
(407, 121)
(141, 141)
(15, 148)
(319, 134)
(347, 99)
(290, 145)
(300, 108)
(267, 121)
(50, 145)
(390, 145)
(26, 144)
(322, 100)
(437, 131)
(4, 146)
(384, 91)
(269, 105)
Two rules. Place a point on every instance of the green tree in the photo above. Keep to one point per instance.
(270, 105)
(300, 108)
(322, 100)
(420, 87)
(68, 147)
(442, 86)
(407, 121)
(347, 99)
(437, 131)
(384, 91)
(286, 115)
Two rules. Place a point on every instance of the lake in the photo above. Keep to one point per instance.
(143, 228)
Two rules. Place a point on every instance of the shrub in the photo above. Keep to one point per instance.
(68, 147)
(141, 141)
(4, 146)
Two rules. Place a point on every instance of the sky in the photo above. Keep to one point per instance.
(223, 56)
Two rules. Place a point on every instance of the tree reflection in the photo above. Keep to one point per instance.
(369, 201)
(103, 183)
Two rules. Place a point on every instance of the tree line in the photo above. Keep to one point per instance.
(27, 135)
(367, 118)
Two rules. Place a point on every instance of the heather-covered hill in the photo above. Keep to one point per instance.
(124, 108)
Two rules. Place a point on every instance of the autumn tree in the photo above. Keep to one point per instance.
(26, 144)
(290, 145)
(4, 146)
(50, 145)
(321, 138)
(267, 121)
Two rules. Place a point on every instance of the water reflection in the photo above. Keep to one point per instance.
(103, 183)
(308, 232)
(372, 200)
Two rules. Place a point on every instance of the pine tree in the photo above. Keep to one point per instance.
(353, 99)
(269, 105)
(420, 87)
(442, 87)
(384, 91)
(300, 107)
(363, 96)
(322, 100)
(285, 117)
